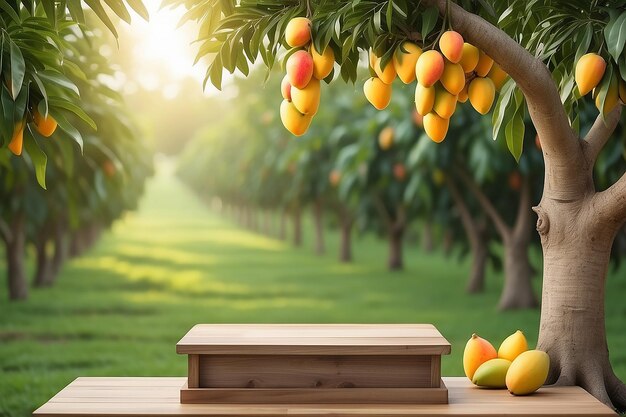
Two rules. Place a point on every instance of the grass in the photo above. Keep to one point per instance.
(120, 309)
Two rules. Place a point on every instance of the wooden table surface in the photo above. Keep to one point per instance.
(160, 397)
(314, 339)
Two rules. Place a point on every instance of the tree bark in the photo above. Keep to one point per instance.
(395, 261)
(282, 230)
(43, 269)
(345, 243)
(60, 248)
(428, 244)
(15, 250)
(297, 227)
(318, 212)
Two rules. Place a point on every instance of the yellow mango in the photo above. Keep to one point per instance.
(528, 372)
(469, 59)
(429, 68)
(377, 92)
(322, 63)
(453, 78)
(451, 45)
(386, 74)
(498, 76)
(404, 62)
(294, 121)
(612, 97)
(445, 103)
(481, 94)
(589, 72)
(298, 32)
(307, 99)
(424, 99)
(513, 346)
(436, 127)
(477, 351)
(484, 64)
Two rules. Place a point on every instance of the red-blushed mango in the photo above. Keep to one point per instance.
(589, 72)
(386, 74)
(44, 125)
(445, 103)
(399, 171)
(484, 64)
(386, 137)
(451, 45)
(429, 68)
(294, 121)
(404, 59)
(285, 88)
(453, 77)
(298, 32)
(300, 69)
(307, 99)
(462, 97)
(377, 92)
(17, 140)
(497, 75)
(477, 351)
(424, 99)
(322, 63)
(612, 97)
(622, 91)
(469, 60)
(481, 93)
(436, 127)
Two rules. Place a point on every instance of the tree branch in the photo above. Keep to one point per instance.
(503, 230)
(611, 203)
(382, 210)
(559, 143)
(599, 134)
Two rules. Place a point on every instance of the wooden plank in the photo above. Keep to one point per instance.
(238, 396)
(193, 371)
(464, 400)
(314, 339)
(435, 370)
(326, 371)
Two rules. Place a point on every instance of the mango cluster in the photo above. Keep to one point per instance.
(305, 68)
(590, 72)
(458, 71)
(513, 366)
(45, 125)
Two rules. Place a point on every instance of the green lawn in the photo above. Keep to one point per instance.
(121, 308)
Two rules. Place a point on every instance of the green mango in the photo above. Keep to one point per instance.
(492, 374)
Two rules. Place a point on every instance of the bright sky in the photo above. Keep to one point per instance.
(163, 54)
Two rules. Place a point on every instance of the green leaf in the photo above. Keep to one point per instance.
(68, 105)
(615, 36)
(18, 68)
(139, 8)
(429, 19)
(6, 7)
(119, 9)
(515, 134)
(39, 158)
(502, 105)
(96, 6)
(603, 88)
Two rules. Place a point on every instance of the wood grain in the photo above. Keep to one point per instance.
(437, 395)
(125, 397)
(326, 371)
(193, 371)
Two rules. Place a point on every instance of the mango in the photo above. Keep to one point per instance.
(469, 59)
(307, 99)
(481, 93)
(612, 97)
(436, 127)
(294, 121)
(377, 92)
(492, 374)
(477, 351)
(299, 69)
(622, 91)
(386, 74)
(453, 78)
(399, 172)
(528, 372)
(484, 64)
(451, 45)
(445, 103)
(298, 32)
(462, 97)
(285, 88)
(17, 140)
(322, 63)
(404, 62)
(498, 76)
(429, 68)
(334, 177)
(424, 99)
(44, 125)
(372, 58)
(513, 345)
(589, 72)
(386, 137)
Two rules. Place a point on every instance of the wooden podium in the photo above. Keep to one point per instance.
(314, 364)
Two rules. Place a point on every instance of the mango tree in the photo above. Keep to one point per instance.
(543, 47)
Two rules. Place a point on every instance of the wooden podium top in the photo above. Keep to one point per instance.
(117, 397)
(314, 339)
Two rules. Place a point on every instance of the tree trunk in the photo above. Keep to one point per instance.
(517, 292)
(395, 261)
(476, 280)
(345, 244)
(427, 237)
(572, 330)
(60, 248)
(43, 270)
(282, 230)
(297, 227)
(15, 250)
(318, 211)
